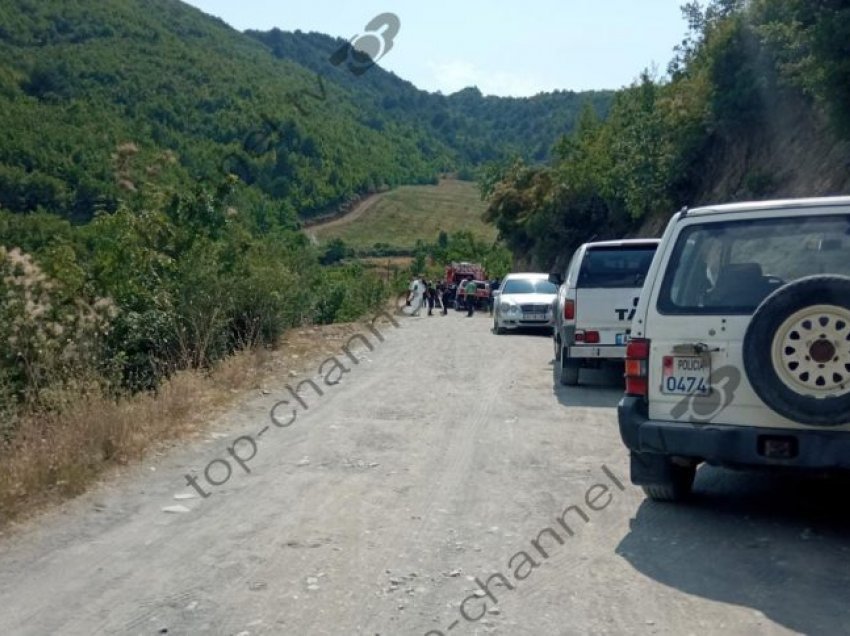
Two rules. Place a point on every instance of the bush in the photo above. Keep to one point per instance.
(347, 293)
(48, 340)
(336, 251)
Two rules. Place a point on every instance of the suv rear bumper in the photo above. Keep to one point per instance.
(597, 351)
(723, 444)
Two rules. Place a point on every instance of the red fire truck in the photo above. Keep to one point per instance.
(459, 273)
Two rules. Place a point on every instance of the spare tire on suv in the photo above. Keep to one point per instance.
(797, 351)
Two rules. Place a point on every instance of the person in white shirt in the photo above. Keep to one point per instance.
(417, 296)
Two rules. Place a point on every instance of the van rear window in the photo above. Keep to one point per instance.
(615, 267)
(730, 267)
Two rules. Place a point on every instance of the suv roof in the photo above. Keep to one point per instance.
(626, 242)
(763, 206)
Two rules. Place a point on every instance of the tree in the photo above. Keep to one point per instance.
(336, 251)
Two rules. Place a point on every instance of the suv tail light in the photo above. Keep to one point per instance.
(637, 367)
(587, 337)
(569, 310)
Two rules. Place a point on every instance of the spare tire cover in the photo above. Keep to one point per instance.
(797, 351)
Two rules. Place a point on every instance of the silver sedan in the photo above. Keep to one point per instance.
(524, 301)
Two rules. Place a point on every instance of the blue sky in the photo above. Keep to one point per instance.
(505, 47)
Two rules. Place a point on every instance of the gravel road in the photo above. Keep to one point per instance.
(444, 463)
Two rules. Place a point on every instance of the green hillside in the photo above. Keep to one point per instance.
(193, 99)
(79, 78)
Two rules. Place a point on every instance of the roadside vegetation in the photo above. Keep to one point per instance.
(666, 142)
(110, 331)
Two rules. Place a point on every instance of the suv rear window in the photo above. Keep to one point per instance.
(615, 267)
(730, 267)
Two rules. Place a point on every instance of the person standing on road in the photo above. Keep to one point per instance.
(410, 288)
(430, 297)
(450, 297)
(494, 285)
(417, 294)
(470, 288)
(442, 292)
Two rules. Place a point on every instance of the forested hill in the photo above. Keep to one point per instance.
(755, 105)
(478, 128)
(100, 98)
(180, 91)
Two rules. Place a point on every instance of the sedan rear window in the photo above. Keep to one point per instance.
(731, 267)
(615, 267)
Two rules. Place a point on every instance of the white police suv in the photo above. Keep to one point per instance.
(597, 299)
(740, 345)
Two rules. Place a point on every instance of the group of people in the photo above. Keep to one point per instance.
(424, 293)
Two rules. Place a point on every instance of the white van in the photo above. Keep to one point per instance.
(740, 348)
(597, 298)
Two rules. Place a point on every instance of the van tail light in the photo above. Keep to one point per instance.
(569, 310)
(637, 367)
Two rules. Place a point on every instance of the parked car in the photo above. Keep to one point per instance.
(524, 300)
(596, 300)
(740, 349)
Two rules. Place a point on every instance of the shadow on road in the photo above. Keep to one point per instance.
(598, 388)
(774, 543)
(526, 332)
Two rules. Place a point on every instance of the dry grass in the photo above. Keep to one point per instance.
(58, 455)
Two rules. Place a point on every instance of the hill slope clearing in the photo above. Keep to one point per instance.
(401, 217)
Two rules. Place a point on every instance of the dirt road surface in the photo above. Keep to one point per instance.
(358, 211)
(441, 457)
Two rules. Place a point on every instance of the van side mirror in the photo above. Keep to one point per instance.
(556, 279)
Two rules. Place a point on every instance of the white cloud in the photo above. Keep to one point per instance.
(454, 75)
(450, 77)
